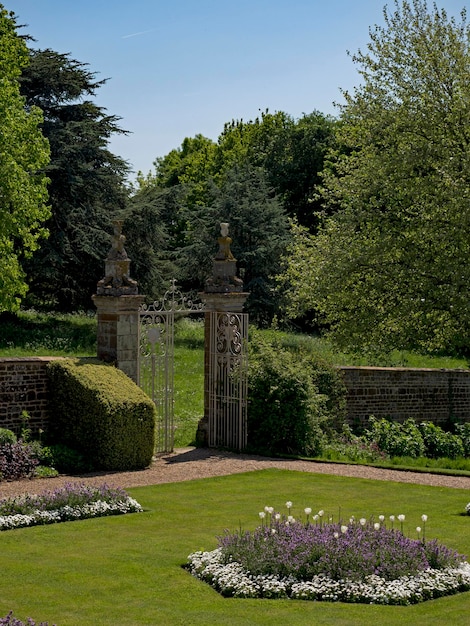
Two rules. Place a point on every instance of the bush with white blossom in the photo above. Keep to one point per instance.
(314, 558)
(74, 501)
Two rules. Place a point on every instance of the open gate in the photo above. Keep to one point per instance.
(155, 368)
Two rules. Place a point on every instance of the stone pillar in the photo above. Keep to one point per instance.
(223, 292)
(117, 302)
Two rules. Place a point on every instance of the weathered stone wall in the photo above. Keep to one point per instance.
(400, 393)
(23, 387)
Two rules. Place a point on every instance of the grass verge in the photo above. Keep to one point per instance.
(127, 570)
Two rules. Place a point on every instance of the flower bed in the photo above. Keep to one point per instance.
(362, 560)
(73, 502)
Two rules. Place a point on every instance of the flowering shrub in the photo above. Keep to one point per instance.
(72, 502)
(9, 620)
(17, 460)
(358, 561)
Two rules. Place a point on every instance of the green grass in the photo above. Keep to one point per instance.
(127, 570)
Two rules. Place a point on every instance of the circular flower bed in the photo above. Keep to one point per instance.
(358, 561)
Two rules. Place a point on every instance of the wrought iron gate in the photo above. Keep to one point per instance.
(227, 380)
(155, 368)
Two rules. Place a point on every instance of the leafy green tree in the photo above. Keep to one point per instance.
(389, 268)
(86, 189)
(23, 153)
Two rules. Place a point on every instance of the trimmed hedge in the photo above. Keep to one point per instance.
(99, 411)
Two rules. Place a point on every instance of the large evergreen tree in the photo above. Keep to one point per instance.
(23, 153)
(390, 267)
(86, 187)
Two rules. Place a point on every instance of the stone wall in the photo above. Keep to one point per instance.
(23, 387)
(400, 393)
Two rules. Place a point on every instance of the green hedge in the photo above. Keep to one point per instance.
(99, 411)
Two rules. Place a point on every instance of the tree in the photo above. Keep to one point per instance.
(86, 189)
(389, 269)
(23, 153)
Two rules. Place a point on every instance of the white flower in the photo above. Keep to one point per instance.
(401, 518)
(424, 518)
(344, 529)
(392, 518)
(381, 518)
(362, 521)
(418, 529)
(376, 526)
(307, 511)
(269, 509)
(321, 513)
(289, 504)
(262, 514)
(277, 517)
(290, 519)
(336, 535)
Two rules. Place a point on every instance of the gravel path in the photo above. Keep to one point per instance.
(191, 463)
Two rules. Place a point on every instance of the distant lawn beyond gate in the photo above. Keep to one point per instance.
(127, 570)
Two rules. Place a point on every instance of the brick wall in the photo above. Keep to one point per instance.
(23, 387)
(423, 394)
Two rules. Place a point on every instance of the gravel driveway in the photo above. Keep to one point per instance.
(191, 463)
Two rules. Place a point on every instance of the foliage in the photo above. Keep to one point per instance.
(101, 413)
(285, 408)
(71, 502)
(7, 436)
(388, 269)
(463, 431)
(17, 460)
(439, 443)
(346, 446)
(351, 561)
(64, 459)
(86, 187)
(394, 438)
(23, 186)
(417, 440)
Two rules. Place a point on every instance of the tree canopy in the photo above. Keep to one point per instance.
(389, 269)
(87, 181)
(24, 153)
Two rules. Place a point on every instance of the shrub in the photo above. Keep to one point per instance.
(463, 431)
(439, 443)
(17, 460)
(100, 412)
(66, 460)
(7, 436)
(396, 439)
(285, 408)
(9, 620)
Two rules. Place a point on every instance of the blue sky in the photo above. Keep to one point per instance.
(181, 67)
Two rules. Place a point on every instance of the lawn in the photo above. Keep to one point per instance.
(127, 570)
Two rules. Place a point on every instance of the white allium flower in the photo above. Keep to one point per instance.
(277, 517)
(321, 513)
(315, 518)
(382, 518)
(269, 509)
(401, 518)
(262, 514)
(289, 504)
(307, 510)
(392, 518)
(424, 518)
(290, 519)
(418, 529)
(376, 526)
(336, 535)
(344, 529)
(362, 521)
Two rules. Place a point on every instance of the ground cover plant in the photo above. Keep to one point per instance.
(74, 501)
(356, 560)
(127, 569)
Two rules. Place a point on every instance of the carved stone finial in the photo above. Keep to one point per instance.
(224, 267)
(117, 281)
